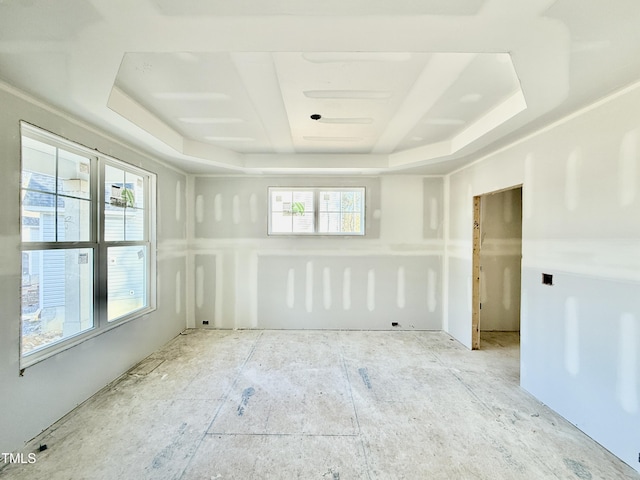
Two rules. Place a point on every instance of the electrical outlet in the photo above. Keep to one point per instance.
(205, 322)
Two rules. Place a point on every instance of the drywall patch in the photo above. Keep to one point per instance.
(199, 209)
(628, 169)
(178, 200)
(205, 283)
(572, 180)
(400, 291)
(217, 207)
(346, 289)
(371, 290)
(291, 283)
(235, 205)
(571, 336)
(308, 298)
(326, 288)
(627, 382)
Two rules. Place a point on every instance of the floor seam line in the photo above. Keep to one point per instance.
(223, 401)
(355, 410)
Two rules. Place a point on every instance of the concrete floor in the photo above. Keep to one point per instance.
(324, 405)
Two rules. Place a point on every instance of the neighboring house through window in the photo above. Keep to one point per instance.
(85, 268)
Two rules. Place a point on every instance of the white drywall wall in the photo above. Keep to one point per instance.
(53, 387)
(581, 197)
(244, 278)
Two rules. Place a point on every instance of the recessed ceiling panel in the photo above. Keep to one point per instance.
(355, 94)
(315, 102)
(485, 83)
(201, 96)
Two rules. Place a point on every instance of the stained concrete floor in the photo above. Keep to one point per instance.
(324, 405)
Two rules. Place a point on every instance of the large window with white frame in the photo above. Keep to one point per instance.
(88, 241)
(316, 211)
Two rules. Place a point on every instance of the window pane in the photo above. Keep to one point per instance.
(38, 217)
(126, 280)
(38, 165)
(351, 223)
(114, 204)
(114, 224)
(329, 222)
(73, 175)
(57, 296)
(74, 219)
(303, 223)
(124, 205)
(329, 201)
(292, 211)
(134, 185)
(341, 211)
(134, 224)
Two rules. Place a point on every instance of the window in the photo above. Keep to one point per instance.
(316, 211)
(85, 268)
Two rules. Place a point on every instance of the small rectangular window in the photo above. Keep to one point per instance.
(316, 211)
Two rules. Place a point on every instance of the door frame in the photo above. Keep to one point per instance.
(476, 266)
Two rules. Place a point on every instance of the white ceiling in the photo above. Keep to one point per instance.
(419, 86)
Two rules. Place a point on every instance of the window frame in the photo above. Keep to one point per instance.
(95, 243)
(316, 211)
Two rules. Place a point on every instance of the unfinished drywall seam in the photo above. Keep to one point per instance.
(190, 260)
(308, 297)
(291, 283)
(371, 290)
(217, 310)
(326, 288)
(346, 289)
(445, 262)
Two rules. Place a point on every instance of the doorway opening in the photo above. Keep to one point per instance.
(496, 264)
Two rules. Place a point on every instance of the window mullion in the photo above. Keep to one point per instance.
(100, 280)
(55, 197)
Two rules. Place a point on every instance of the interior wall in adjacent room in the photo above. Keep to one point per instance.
(500, 258)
